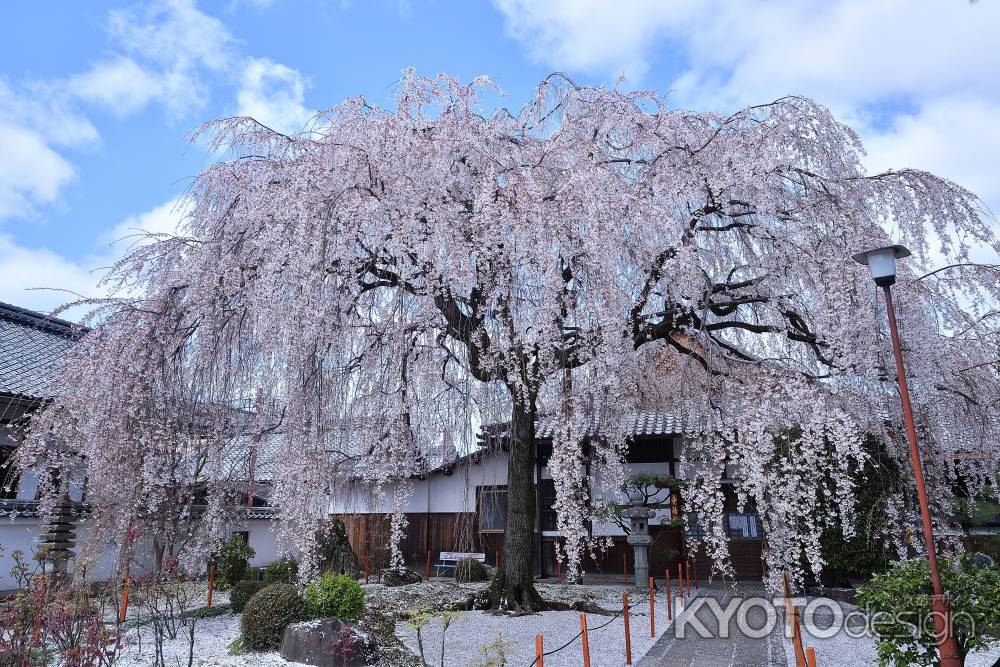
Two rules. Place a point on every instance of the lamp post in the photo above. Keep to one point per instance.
(882, 262)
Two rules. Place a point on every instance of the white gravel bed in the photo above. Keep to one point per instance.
(211, 641)
(468, 634)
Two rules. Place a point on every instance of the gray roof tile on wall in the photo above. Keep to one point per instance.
(32, 346)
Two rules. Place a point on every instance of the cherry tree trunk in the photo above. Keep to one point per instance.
(513, 588)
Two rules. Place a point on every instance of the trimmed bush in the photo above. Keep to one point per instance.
(901, 602)
(335, 595)
(242, 592)
(233, 556)
(400, 577)
(285, 570)
(470, 569)
(268, 613)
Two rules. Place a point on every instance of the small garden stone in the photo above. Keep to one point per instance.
(328, 642)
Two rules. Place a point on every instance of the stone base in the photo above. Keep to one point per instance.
(328, 642)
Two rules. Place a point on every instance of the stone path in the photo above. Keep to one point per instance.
(739, 649)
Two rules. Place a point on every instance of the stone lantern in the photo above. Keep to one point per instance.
(640, 540)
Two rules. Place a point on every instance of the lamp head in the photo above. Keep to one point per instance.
(882, 262)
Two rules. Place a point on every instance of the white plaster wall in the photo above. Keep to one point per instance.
(439, 493)
(264, 540)
(19, 534)
(28, 486)
(457, 492)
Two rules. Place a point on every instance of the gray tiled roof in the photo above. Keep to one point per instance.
(31, 350)
(643, 423)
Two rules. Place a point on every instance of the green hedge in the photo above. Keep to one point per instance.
(470, 569)
(268, 613)
(285, 570)
(336, 595)
(242, 592)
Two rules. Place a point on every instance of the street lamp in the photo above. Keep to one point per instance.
(882, 262)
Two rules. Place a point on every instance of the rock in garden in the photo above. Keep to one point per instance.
(400, 577)
(328, 642)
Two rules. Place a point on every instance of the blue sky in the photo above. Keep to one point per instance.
(96, 98)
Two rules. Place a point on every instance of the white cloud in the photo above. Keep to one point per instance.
(170, 45)
(162, 219)
(737, 52)
(594, 36)
(26, 268)
(34, 123)
(121, 85)
(953, 137)
(41, 279)
(273, 94)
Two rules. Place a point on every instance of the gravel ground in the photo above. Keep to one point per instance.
(384, 610)
(474, 636)
(211, 642)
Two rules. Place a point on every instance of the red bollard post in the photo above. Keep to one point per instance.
(124, 608)
(687, 579)
(628, 631)
(652, 609)
(811, 657)
(211, 583)
(800, 656)
(585, 640)
(680, 583)
(539, 653)
(670, 611)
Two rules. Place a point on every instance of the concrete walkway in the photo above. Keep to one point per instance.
(737, 649)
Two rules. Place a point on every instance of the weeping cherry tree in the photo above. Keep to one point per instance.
(390, 281)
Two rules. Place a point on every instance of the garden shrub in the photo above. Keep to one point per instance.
(209, 612)
(400, 576)
(285, 570)
(232, 557)
(268, 613)
(336, 595)
(470, 569)
(900, 603)
(242, 592)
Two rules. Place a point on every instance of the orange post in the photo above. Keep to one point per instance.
(800, 657)
(680, 583)
(124, 608)
(628, 631)
(652, 609)
(788, 598)
(211, 582)
(811, 656)
(687, 579)
(585, 640)
(427, 568)
(539, 653)
(670, 611)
